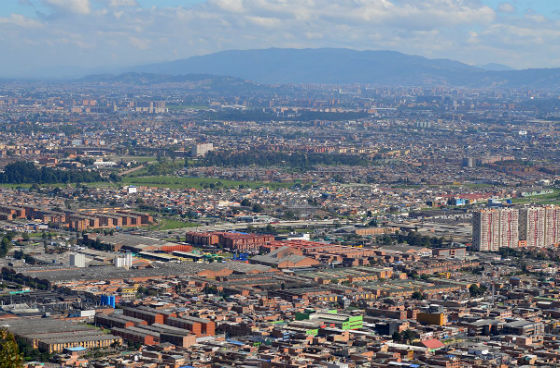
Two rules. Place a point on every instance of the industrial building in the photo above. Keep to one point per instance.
(53, 335)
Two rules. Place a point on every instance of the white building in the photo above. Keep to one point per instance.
(201, 149)
(124, 262)
(77, 260)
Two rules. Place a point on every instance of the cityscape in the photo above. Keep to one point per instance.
(276, 207)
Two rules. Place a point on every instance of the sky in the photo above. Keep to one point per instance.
(41, 37)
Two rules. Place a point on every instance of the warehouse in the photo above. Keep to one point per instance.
(53, 336)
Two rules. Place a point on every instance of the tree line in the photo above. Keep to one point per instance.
(22, 172)
(412, 238)
(302, 160)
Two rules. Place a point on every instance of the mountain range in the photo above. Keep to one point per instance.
(345, 66)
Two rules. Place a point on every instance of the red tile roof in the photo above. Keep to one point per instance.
(433, 344)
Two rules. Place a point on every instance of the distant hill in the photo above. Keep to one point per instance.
(343, 66)
(495, 67)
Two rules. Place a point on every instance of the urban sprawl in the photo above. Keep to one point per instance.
(215, 223)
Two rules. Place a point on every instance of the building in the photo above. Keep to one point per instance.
(246, 243)
(512, 228)
(285, 257)
(532, 226)
(197, 326)
(53, 335)
(124, 262)
(509, 228)
(552, 226)
(486, 230)
(77, 260)
(495, 228)
(524, 328)
(201, 149)
(453, 251)
(342, 321)
(432, 315)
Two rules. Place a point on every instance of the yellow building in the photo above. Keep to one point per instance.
(432, 319)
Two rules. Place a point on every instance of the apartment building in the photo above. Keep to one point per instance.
(486, 230)
(511, 228)
(532, 226)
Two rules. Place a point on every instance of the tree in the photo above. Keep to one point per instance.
(396, 336)
(408, 336)
(9, 351)
(5, 246)
(475, 290)
(417, 295)
(257, 208)
(114, 177)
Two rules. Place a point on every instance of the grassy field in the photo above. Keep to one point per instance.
(552, 198)
(15, 186)
(175, 182)
(141, 159)
(166, 224)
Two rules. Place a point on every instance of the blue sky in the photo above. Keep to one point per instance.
(547, 7)
(8, 7)
(43, 35)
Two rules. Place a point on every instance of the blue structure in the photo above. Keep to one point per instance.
(457, 202)
(75, 349)
(241, 257)
(108, 300)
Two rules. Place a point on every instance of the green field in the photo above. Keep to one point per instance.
(174, 182)
(140, 159)
(167, 224)
(15, 186)
(552, 198)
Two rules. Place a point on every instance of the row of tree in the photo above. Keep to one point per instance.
(27, 173)
(301, 160)
(412, 238)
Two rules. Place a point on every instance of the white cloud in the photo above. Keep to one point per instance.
(139, 43)
(235, 6)
(20, 21)
(127, 34)
(119, 3)
(71, 6)
(506, 8)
